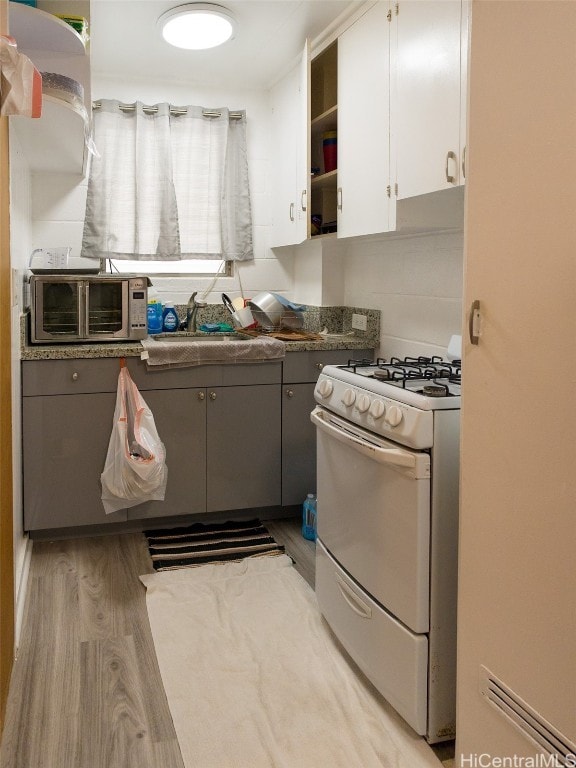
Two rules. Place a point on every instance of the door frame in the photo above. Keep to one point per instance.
(6, 497)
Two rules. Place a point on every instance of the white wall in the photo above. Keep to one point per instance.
(415, 282)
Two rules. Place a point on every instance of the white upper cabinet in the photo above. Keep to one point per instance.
(364, 203)
(290, 167)
(429, 96)
(57, 140)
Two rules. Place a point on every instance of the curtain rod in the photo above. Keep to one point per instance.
(173, 110)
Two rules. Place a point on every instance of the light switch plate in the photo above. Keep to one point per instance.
(359, 322)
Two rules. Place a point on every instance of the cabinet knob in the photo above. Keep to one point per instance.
(319, 366)
(291, 214)
(303, 199)
(75, 376)
(201, 395)
(339, 198)
(289, 393)
(212, 395)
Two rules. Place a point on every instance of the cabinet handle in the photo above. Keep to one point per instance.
(201, 395)
(474, 322)
(212, 395)
(450, 156)
(339, 198)
(319, 366)
(464, 163)
(291, 211)
(303, 199)
(289, 393)
(75, 376)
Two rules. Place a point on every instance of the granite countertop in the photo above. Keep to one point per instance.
(337, 320)
(134, 348)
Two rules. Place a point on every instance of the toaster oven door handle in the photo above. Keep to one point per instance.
(84, 308)
(396, 456)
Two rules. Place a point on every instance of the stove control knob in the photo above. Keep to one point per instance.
(393, 415)
(377, 409)
(325, 388)
(363, 403)
(348, 397)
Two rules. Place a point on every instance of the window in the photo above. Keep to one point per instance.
(168, 184)
(184, 268)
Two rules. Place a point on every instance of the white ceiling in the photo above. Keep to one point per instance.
(125, 40)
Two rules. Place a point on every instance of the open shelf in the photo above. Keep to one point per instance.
(324, 111)
(56, 140)
(36, 30)
(325, 180)
(327, 121)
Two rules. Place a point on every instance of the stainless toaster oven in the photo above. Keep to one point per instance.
(87, 308)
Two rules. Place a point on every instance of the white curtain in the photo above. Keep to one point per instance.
(169, 184)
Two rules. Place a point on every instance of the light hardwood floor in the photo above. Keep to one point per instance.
(86, 691)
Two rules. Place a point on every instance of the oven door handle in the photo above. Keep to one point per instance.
(396, 456)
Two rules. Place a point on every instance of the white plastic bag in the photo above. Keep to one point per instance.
(20, 82)
(135, 468)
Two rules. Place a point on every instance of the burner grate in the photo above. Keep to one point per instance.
(402, 372)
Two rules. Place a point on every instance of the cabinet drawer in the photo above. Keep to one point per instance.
(225, 375)
(393, 658)
(87, 376)
(69, 377)
(306, 366)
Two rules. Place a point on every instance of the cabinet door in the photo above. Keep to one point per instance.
(516, 615)
(65, 441)
(180, 418)
(289, 156)
(364, 125)
(243, 447)
(298, 443)
(427, 109)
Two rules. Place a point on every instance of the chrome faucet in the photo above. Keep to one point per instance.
(192, 312)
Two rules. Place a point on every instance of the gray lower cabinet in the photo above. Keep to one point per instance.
(222, 449)
(65, 443)
(243, 447)
(223, 442)
(236, 436)
(299, 376)
(298, 443)
(180, 418)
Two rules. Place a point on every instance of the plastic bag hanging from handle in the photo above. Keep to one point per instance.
(135, 468)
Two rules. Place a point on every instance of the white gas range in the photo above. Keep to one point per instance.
(386, 567)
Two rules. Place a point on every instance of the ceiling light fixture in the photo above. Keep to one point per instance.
(197, 26)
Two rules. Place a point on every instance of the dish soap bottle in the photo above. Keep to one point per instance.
(309, 510)
(154, 312)
(170, 321)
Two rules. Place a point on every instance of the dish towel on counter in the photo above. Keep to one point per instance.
(175, 354)
(254, 678)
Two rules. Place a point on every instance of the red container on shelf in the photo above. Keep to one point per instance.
(330, 147)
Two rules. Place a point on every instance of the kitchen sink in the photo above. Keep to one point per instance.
(193, 338)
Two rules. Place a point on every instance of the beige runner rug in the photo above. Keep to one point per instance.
(254, 678)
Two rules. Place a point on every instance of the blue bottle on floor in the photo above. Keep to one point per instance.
(309, 515)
